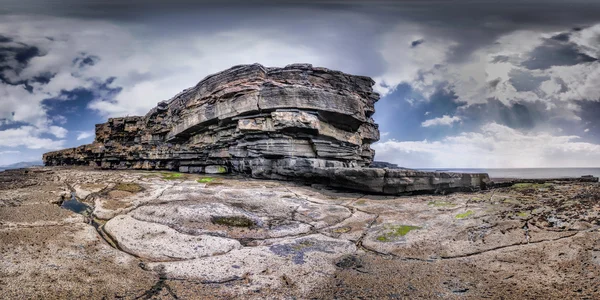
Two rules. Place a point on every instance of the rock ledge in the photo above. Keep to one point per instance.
(294, 123)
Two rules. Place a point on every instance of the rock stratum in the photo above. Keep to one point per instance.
(294, 123)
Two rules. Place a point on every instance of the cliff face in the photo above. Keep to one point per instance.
(296, 122)
(241, 118)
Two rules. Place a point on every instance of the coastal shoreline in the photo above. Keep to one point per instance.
(167, 234)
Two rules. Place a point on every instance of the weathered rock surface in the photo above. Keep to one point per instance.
(298, 122)
(195, 237)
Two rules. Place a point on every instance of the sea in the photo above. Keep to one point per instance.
(529, 173)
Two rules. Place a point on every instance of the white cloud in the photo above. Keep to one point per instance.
(58, 119)
(406, 63)
(9, 152)
(29, 137)
(487, 72)
(149, 68)
(443, 121)
(58, 131)
(587, 130)
(84, 135)
(203, 55)
(495, 146)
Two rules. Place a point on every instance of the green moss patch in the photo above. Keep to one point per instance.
(205, 180)
(441, 204)
(530, 186)
(477, 199)
(128, 187)
(511, 201)
(394, 231)
(343, 229)
(303, 245)
(464, 215)
(523, 214)
(171, 176)
(233, 221)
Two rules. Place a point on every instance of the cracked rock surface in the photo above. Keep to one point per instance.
(153, 235)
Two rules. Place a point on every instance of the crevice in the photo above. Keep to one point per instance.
(20, 226)
(222, 281)
(395, 256)
(510, 246)
(155, 290)
(362, 236)
(526, 228)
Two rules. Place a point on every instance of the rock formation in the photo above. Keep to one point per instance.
(298, 122)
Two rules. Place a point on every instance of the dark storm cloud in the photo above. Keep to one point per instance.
(417, 43)
(500, 59)
(494, 83)
(517, 116)
(589, 112)
(524, 81)
(554, 52)
(15, 57)
(563, 37)
(333, 25)
(5, 39)
(84, 60)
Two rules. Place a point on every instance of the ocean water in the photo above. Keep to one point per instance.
(529, 173)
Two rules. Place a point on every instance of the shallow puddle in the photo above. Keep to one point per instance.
(76, 206)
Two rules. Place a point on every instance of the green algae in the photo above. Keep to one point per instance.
(464, 215)
(233, 221)
(441, 204)
(171, 176)
(395, 231)
(205, 180)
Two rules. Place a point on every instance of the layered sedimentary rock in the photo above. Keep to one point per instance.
(296, 122)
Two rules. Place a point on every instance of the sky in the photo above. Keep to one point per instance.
(463, 84)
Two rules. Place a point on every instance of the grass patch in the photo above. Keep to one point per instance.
(395, 231)
(171, 176)
(464, 215)
(205, 180)
(128, 187)
(234, 221)
(523, 214)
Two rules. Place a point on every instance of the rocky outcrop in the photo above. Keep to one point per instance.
(296, 122)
